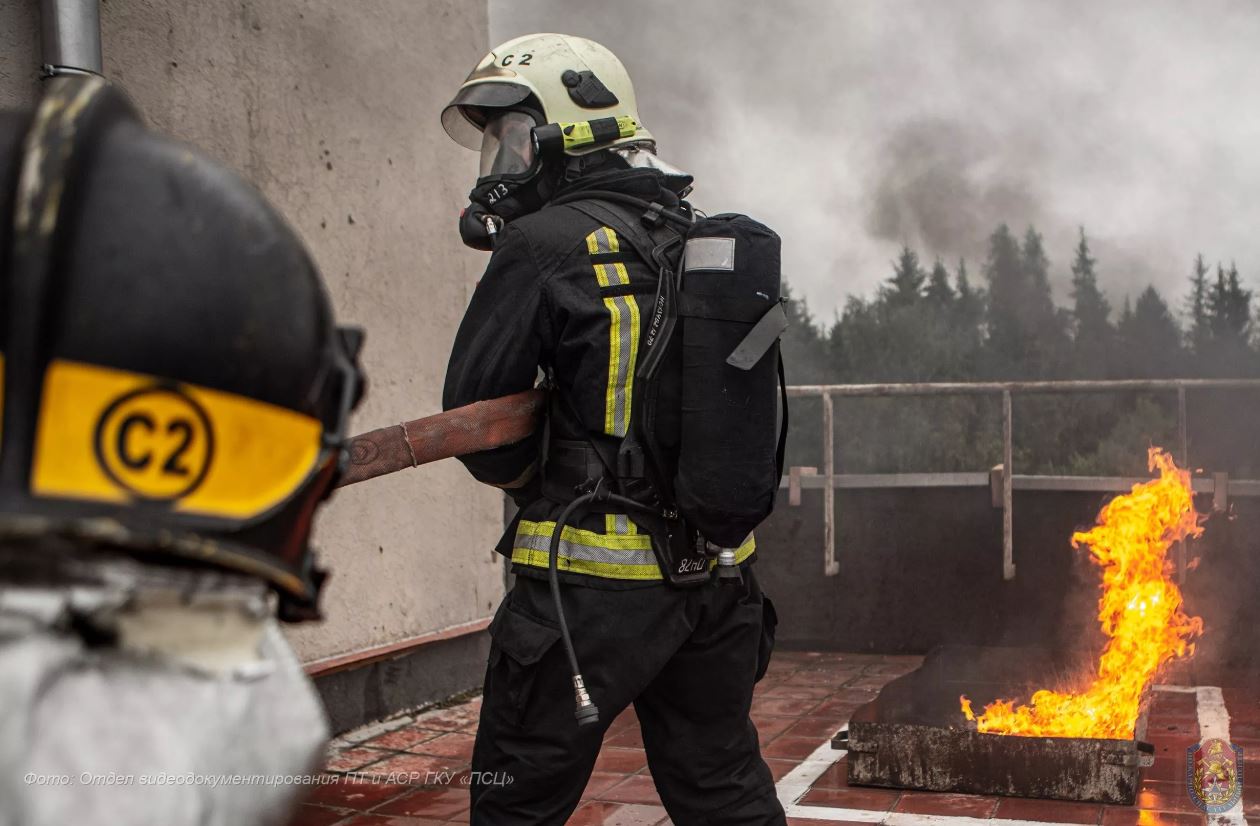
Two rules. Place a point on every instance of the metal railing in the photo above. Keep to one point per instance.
(1002, 479)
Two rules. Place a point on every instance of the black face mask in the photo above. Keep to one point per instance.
(498, 200)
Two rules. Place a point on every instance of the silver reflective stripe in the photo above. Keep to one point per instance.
(621, 524)
(623, 344)
(709, 254)
(586, 553)
(602, 243)
(621, 393)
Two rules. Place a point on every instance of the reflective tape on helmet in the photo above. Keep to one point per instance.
(113, 436)
(623, 333)
(611, 556)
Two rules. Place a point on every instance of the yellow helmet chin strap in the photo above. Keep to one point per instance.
(554, 138)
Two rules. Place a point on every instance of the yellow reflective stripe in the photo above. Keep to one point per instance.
(612, 556)
(109, 435)
(582, 537)
(745, 550)
(623, 334)
(538, 559)
(614, 359)
(619, 523)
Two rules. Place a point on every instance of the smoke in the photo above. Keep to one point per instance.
(943, 186)
(853, 127)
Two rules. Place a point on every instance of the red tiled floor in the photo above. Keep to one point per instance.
(936, 803)
(786, 707)
(1168, 767)
(877, 800)
(1166, 796)
(1048, 811)
(306, 815)
(629, 738)
(439, 804)
(835, 777)
(601, 782)
(780, 768)
(416, 769)
(455, 718)
(637, 788)
(769, 728)
(821, 727)
(356, 758)
(1113, 816)
(626, 761)
(617, 814)
(797, 748)
(801, 692)
(456, 744)
(401, 738)
(388, 820)
(349, 793)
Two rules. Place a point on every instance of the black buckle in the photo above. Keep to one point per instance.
(598, 488)
(653, 218)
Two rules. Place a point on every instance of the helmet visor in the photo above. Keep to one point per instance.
(465, 116)
(507, 145)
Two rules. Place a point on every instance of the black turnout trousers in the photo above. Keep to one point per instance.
(686, 658)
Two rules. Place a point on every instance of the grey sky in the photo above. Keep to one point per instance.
(853, 126)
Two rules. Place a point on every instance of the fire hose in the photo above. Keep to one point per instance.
(470, 429)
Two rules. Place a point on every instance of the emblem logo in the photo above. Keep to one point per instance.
(156, 443)
(1214, 775)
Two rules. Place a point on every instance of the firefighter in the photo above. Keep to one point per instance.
(175, 396)
(566, 294)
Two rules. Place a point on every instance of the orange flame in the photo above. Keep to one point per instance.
(1140, 612)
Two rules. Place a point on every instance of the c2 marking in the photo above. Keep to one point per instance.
(524, 61)
(156, 442)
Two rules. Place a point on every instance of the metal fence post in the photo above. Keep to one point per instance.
(1008, 496)
(830, 567)
(1183, 448)
(1183, 439)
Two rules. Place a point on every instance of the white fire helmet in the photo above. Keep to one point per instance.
(573, 84)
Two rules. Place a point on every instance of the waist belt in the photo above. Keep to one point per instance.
(571, 464)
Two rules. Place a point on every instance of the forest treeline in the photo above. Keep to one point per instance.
(942, 322)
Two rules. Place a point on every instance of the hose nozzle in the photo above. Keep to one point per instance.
(587, 712)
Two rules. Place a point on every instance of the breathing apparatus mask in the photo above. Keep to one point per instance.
(508, 178)
(518, 171)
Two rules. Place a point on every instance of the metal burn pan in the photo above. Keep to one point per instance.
(913, 735)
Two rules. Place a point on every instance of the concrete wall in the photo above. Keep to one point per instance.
(331, 108)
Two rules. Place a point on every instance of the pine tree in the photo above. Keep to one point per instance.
(1026, 331)
(970, 301)
(1200, 325)
(1228, 307)
(1238, 305)
(1091, 316)
(1090, 309)
(1008, 336)
(938, 291)
(1150, 337)
(905, 287)
(804, 350)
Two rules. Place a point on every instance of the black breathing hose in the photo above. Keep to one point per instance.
(587, 712)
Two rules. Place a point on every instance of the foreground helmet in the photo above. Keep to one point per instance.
(174, 384)
(537, 97)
